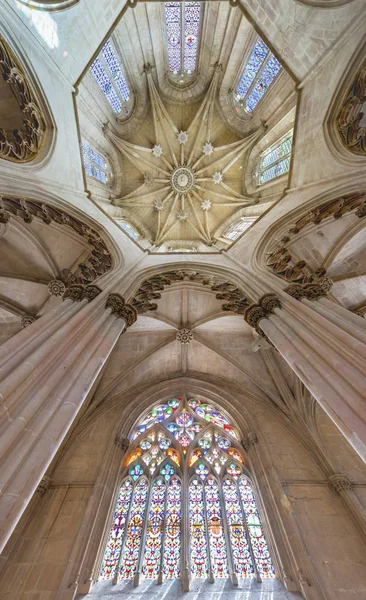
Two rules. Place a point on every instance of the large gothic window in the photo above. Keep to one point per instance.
(258, 75)
(182, 23)
(108, 73)
(95, 164)
(185, 499)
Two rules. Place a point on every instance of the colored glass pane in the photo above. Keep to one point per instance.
(173, 33)
(128, 228)
(156, 415)
(260, 549)
(233, 470)
(134, 456)
(198, 538)
(210, 414)
(202, 470)
(173, 454)
(172, 542)
(182, 45)
(276, 160)
(108, 74)
(258, 75)
(167, 471)
(154, 535)
(215, 529)
(94, 163)
(136, 472)
(191, 29)
(113, 548)
(239, 543)
(237, 228)
(131, 549)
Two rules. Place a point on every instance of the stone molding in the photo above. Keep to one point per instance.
(121, 309)
(184, 336)
(311, 291)
(20, 145)
(27, 320)
(43, 485)
(122, 442)
(99, 261)
(265, 307)
(339, 483)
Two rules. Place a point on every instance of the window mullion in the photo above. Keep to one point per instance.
(246, 527)
(210, 569)
(232, 571)
(161, 576)
(123, 541)
(136, 579)
(109, 75)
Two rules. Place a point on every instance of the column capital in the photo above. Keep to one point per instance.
(265, 307)
(121, 309)
(91, 292)
(74, 293)
(43, 485)
(339, 483)
(27, 320)
(122, 442)
(269, 302)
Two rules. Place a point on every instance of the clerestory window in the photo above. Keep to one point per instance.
(185, 499)
(95, 164)
(182, 24)
(108, 73)
(258, 75)
(275, 161)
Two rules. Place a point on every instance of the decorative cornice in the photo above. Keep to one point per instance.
(311, 291)
(122, 442)
(121, 309)
(99, 261)
(20, 145)
(184, 336)
(150, 289)
(339, 483)
(43, 485)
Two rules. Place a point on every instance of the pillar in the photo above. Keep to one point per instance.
(47, 371)
(327, 357)
(343, 487)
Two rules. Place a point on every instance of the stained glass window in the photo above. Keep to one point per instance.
(108, 74)
(95, 164)
(238, 227)
(259, 73)
(185, 444)
(182, 23)
(128, 228)
(275, 161)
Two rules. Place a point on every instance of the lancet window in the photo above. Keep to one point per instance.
(182, 24)
(275, 161)
(186, 501)
(107, 71)
(258, 75)
(95, 164)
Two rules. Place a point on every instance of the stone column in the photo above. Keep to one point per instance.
(46, 378)
(327, 359)
(82, 570)
(342, 486)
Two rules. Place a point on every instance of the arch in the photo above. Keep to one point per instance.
(31, 127)
(49, 5)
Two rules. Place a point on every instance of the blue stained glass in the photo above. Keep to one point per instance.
(136, 472)
(266, 78)
(185, 42)
(276, 161)
(105, 85)
(255, 62)
(115, 70)
(94, 163)
(106, 69)
(173, 32)
(132, 232)
(191, 29)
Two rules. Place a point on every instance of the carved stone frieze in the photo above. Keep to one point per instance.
(350, 117)
(20, 144)
(150, 289)
(184, 336)
(99, 261)
(339, 483)
(121, 309)
(311, 291)
(281, 262)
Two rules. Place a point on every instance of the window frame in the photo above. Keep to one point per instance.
(260, 169)
(94, 165)
(177, 76)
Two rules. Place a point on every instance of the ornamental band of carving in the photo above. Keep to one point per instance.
(20, 145)
(311, 291)
(351, 120)
(97, 264)
(281, 262)
(150, 290)
(121, 309)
